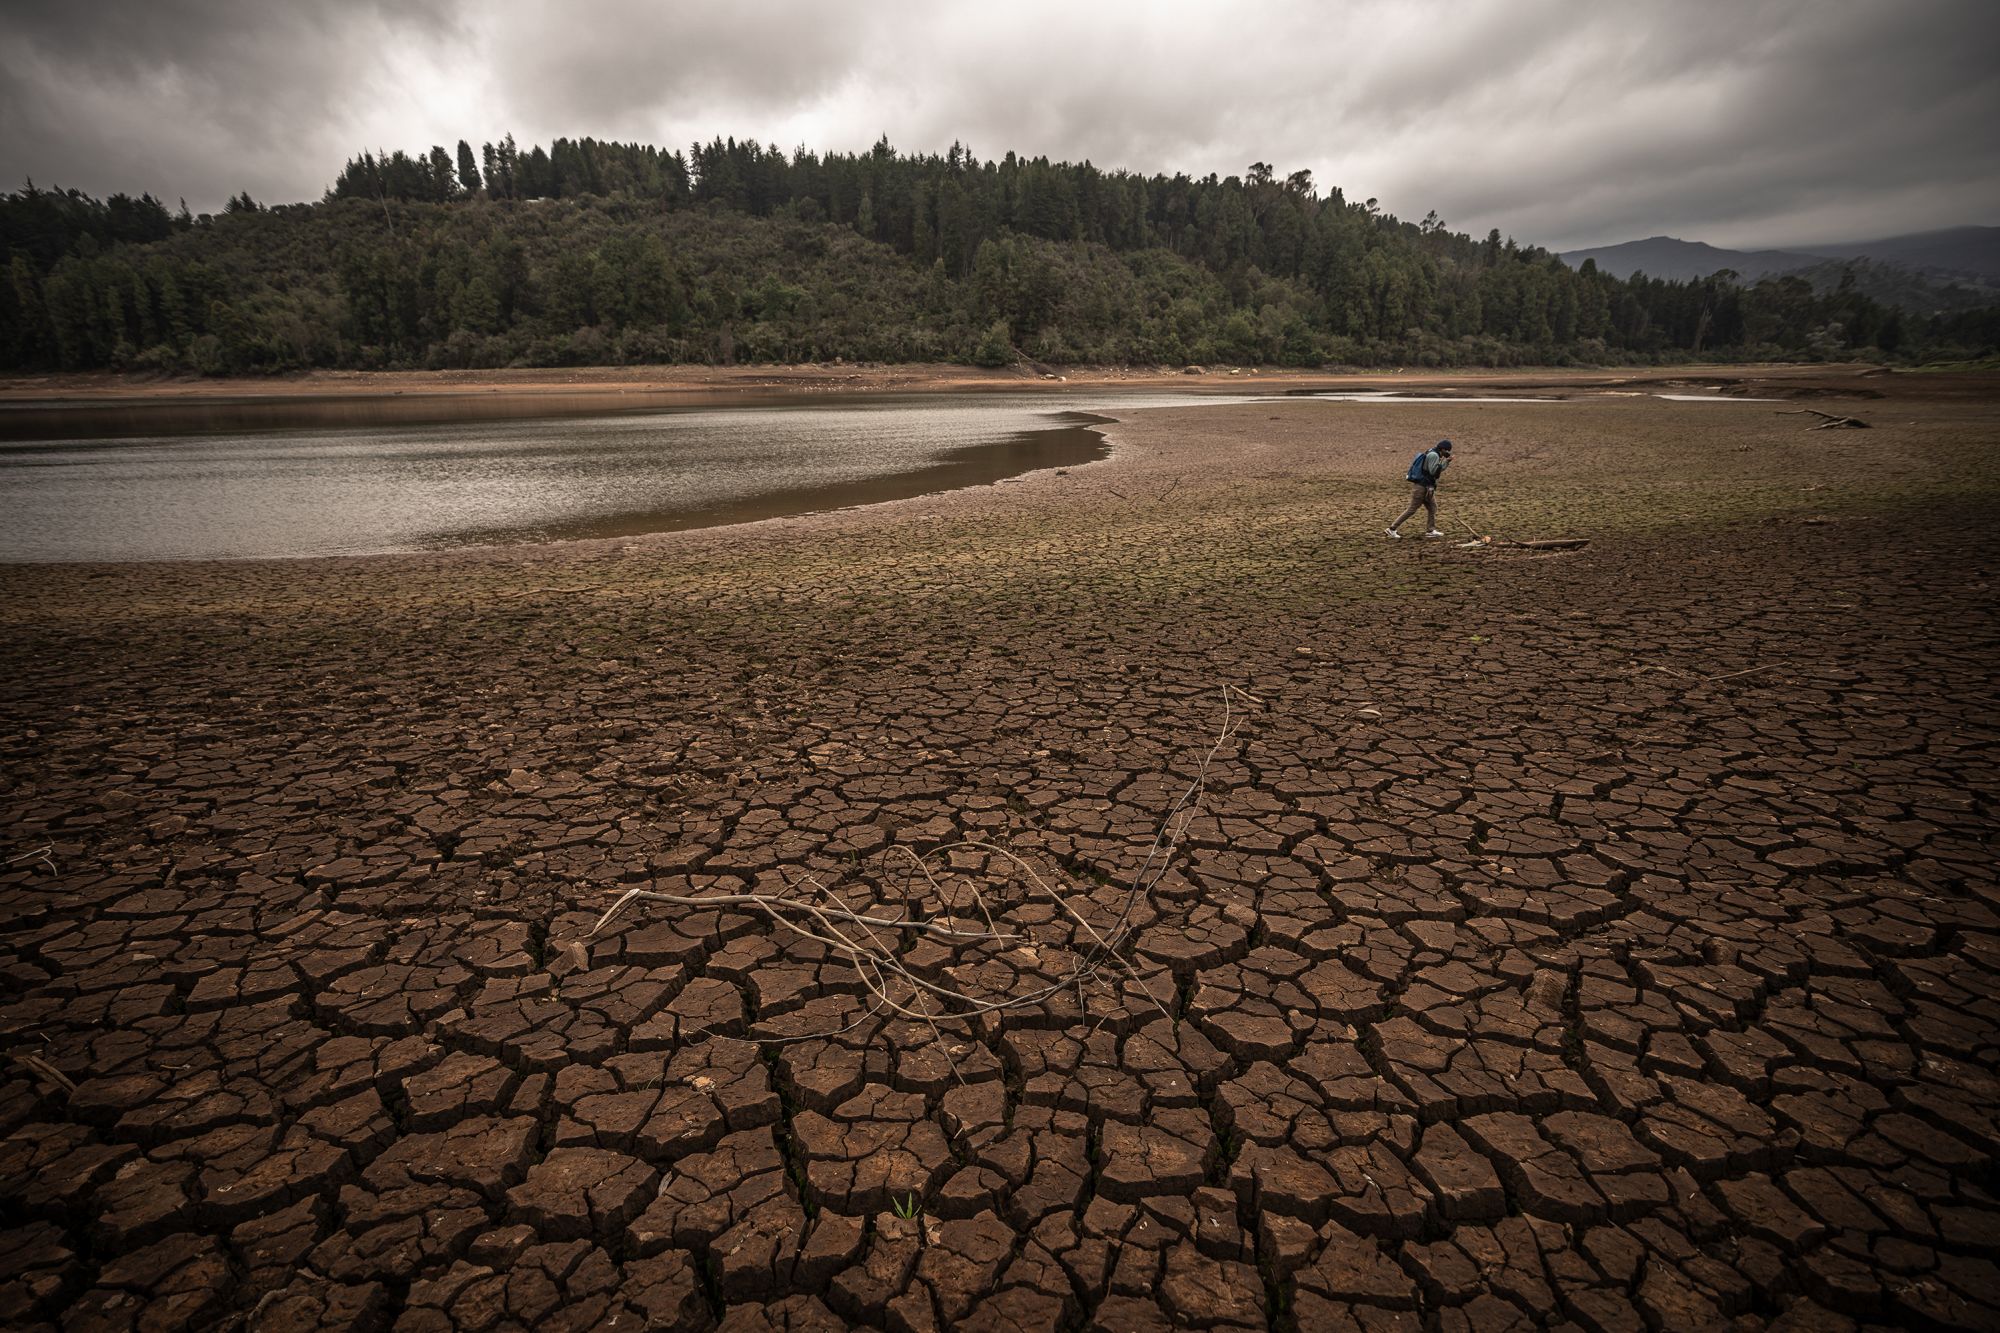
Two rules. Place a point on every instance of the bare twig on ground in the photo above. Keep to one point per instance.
(36, 1064)
(537, 592)
(1830, 421)
(1747, 671)
(1548, 544)
(869, 940)
(1539, 544)
(1704, 680)
(42, 854)
(768, 902)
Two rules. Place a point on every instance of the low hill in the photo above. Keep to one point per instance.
(1684, 261)
(1920, 274)
(1972, 252)
(591, 253)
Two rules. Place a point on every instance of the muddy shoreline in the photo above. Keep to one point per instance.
(611, 382)
(86, 406)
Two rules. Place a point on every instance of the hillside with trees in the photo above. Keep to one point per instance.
(588, 253)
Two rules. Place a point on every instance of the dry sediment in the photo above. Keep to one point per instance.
(1604, 936)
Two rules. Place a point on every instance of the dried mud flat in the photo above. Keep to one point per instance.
(1604, 938)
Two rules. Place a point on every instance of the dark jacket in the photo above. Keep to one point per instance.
(1427, 468)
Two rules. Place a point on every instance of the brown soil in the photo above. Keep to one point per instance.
(1605, 935)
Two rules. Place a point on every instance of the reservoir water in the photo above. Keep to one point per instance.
(287, 478)
(171, 484)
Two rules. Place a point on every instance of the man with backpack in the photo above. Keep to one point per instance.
(1426, 470)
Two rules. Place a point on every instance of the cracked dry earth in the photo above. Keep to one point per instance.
(1604, 940)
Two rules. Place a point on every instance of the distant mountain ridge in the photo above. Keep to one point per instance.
(1953, 251)
(1683, 261)
(1951, 254)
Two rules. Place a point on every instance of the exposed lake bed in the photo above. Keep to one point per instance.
(288, 833)
(99, 469)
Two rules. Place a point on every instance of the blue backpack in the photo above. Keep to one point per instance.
(1417, 472)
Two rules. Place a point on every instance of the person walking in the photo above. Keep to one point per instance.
(1426, 470)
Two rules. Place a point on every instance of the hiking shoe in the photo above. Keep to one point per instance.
(1392, 532)
(1435, 532)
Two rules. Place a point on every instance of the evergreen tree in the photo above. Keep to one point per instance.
(443, 181)
(418, 260)
(995, 348)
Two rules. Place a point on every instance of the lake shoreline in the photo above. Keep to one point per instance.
(311, 479)
(612, 382)
(1445, 400)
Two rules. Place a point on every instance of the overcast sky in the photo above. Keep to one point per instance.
(1563, 123)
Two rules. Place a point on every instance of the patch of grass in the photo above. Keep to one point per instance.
(1935, 367)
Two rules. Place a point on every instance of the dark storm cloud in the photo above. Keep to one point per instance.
(1557, 121)
(1782, 122)
(620, 60)
(197, 97)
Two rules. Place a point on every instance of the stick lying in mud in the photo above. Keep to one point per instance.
(867, 939)
(770, 902)
(1644, 667)
(1544, 544)
(42, 854)
(1831, 421)
(35, 1064)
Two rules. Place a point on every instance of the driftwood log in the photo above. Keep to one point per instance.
(1830, 422)
(1547, 544)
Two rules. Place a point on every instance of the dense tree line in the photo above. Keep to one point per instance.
(590, 252)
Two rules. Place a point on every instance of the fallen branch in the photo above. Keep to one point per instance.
(767, 901)
(36, 1064)
(1543, 544)
(1831, 422)
(41, 854)
(1704, 680)
(859, 936)
(538, 592)
(1747, 671)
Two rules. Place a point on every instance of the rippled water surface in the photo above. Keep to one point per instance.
(368, 488)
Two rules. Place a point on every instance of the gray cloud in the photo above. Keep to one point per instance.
(622, 60)
(200, 97)
(1562, 122)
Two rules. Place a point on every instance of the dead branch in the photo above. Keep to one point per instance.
(540, 592)
(37, 1065)
(1644, 667)
(1747, 671)
(42, 854)
(1830, 422)
(769, 902)
(1542, 544)
(868, 940)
